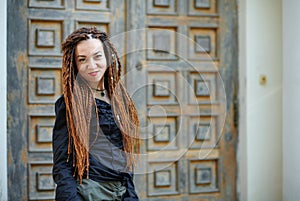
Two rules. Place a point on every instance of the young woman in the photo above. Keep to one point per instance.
(96, 132)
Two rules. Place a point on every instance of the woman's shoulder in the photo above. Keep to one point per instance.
(60, 103)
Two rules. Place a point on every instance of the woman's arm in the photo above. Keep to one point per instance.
(130, 194)
(66, 189)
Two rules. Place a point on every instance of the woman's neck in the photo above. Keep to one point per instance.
(97, 86)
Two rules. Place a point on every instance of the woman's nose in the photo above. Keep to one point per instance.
(92, 64)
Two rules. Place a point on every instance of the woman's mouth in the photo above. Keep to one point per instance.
(93, 73)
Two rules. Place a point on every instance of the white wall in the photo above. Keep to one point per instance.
(291, 100)
(260, 146)
(3, 119)
(242, 142)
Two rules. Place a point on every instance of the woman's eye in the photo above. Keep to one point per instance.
(98, 56)
(81, 60)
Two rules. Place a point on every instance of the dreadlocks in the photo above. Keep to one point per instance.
(81, 107)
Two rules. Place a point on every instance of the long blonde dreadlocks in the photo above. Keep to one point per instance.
(81, 107)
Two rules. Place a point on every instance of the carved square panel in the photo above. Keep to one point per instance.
(58, 4)
(45, 181)
(202, 7)
(162, 179)
(45, 37)
(44, 133)
(202, 3)
(204, 45)
(162, 3)
(162, 7)
(40, 133)
(203, 132)
(202, 88)
(161, 88)
(100, 26)
(161, 43)
(103, 26)
(162, 133)
(44, 85)
(97, 5)
(41, 184)
(203, 176)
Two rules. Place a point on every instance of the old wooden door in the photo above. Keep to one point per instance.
(36, 29)
(188, 153)
(181, 71)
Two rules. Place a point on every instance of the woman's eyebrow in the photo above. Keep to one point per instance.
(97, 52)
(81, 56)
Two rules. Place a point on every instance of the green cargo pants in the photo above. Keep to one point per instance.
(91, 190)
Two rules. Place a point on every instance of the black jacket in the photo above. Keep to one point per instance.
(63, 171)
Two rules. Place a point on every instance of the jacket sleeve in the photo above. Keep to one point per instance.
(66, 189)
(130, 194)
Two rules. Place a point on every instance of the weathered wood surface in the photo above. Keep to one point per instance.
(181, 68)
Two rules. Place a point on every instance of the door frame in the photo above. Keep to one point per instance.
(17, 99)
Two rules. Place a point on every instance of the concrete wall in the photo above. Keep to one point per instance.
(260, 146)
(3, 119)
(291, 100)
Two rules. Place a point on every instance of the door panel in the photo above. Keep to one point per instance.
(39, 28)
(179, 56)
(181, 67)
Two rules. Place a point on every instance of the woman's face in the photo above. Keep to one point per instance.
(91, 62)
